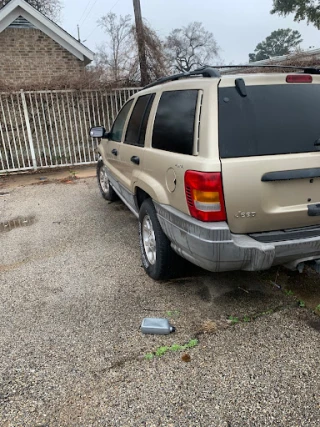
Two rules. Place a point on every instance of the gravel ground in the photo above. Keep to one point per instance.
(73, 295)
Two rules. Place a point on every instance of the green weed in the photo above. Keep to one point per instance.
(172, 313)
(175, 347)
(288, 292)
(233, 319)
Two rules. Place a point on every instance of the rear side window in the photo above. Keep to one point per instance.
(174, 123)
(118, 125)
(271, 119)
(138, 121)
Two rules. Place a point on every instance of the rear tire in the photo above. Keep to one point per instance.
(158, 258)
(105, 187)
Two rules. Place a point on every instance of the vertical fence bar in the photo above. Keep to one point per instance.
(90, 118)
(35, 128)
(51, 130)
(112, 107)
(87, 123)
(29, 133)
(72, 134)
(13, 134)
(17, 129)
(25, 137)
(46, 128)
(62, 127)
(103, 110)
(108, 110)
(56, 126)
(41, 133)
(8, 139)
(76, 127)
(81, 129)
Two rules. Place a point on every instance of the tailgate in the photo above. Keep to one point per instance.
(269, 143)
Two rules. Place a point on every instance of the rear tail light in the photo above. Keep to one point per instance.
(204, 195)
(299, 78)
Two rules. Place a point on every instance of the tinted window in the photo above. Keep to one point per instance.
(174, 123)
(138, 121)
(272, 119)
(118, 125)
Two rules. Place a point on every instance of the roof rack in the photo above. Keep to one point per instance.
(208, 71)
(306, 70)
(203, 71)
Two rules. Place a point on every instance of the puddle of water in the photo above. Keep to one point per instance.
(16, 223)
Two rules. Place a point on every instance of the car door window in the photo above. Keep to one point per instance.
(118, 125)
(175, 120)
(138, 121)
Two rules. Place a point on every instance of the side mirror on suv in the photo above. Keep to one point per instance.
(98, 132)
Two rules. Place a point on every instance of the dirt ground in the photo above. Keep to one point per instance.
(73, 295)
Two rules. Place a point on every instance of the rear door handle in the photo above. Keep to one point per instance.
(114, 152)
(135, 159)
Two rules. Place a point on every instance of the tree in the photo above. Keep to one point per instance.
(119, 57)
(303, 9)
(114, 54)
(280, 42)
(50, 8)
(191, 47)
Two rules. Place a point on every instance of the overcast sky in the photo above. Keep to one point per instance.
(238, 26)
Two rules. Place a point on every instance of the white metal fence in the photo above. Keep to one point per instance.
(45, 129)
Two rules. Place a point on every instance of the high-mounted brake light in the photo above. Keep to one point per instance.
(299, 78)
(204, 195)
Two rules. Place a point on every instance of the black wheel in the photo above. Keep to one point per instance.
(104, 184)
(158, 258)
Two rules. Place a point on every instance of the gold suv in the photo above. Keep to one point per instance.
(223, 171)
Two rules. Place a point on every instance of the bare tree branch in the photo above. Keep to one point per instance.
(190, 47)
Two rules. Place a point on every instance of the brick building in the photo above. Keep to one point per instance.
(35, 51)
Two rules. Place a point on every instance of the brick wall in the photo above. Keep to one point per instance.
(28, 57)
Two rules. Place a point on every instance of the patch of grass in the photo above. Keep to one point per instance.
(288, 292)
(233, 320)
(301, 303)
(161, 351)
(175, 347)
(149, 356)
(265, 313)
(172, 313)
(318, 307)
(247, 319)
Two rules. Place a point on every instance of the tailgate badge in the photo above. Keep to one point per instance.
(241, 214)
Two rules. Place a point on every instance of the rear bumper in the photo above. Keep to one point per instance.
(213, 247)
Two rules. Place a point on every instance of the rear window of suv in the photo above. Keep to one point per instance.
(271, 119)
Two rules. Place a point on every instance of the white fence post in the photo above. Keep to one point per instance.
(26, 116)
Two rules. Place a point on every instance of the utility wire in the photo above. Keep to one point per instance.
(95, 28)
(83, 13)
(86, 17)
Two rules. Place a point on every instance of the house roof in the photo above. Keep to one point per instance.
(275, 60)
(278, 59)
(16, 8)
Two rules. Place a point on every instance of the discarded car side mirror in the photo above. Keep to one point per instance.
(98, 132)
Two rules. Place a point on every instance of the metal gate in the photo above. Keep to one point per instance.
(46, 129)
